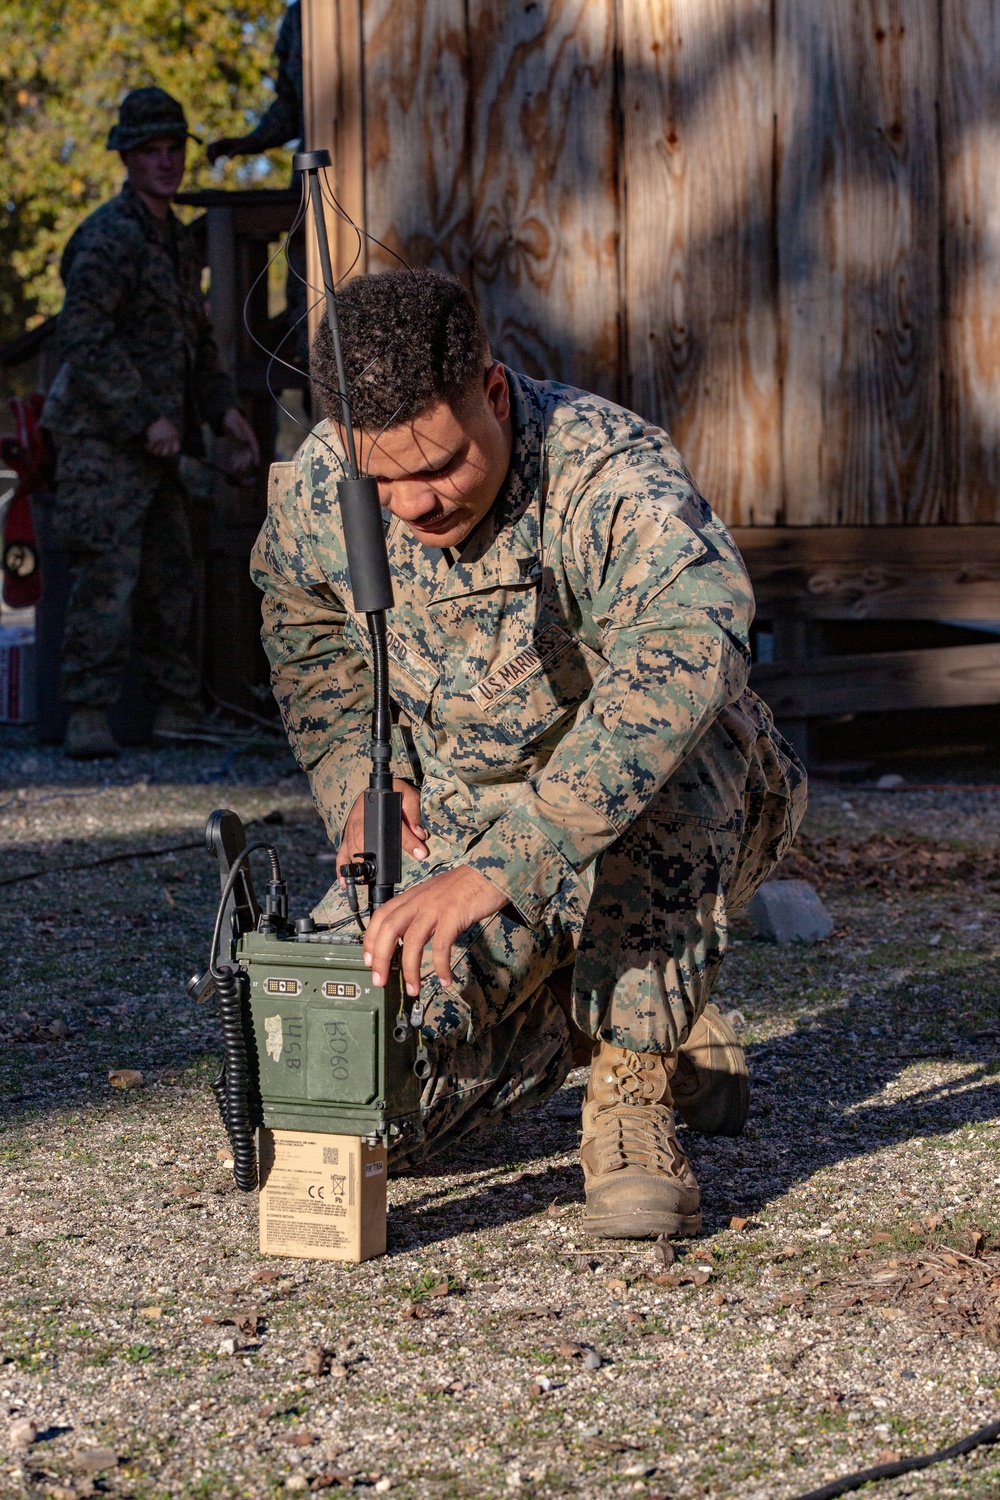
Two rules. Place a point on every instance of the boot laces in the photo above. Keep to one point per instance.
(640, 1138)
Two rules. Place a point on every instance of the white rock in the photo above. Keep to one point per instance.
(789, 911)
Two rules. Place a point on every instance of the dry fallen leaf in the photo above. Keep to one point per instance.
(887, 1456)
(663, 1251)
(738, 1223)
(248, 1322)
(317, 1360)
(302, 1439)
(881, 1238)
(617, 1285)
(556, 1210)
(569, 1350)
(125, 1078)
(264, 1276)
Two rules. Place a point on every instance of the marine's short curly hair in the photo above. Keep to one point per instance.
(410, 338)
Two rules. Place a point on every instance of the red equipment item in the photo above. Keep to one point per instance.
(29, 453)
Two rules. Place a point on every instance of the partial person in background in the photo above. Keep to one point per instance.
(281, 125)
(139, 375)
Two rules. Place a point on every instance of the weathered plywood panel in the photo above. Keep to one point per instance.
(947, 677)
(873, 572)
(334, 119)
(970, 143)
(416, 147)
(857, 241)
(543, 239)
(700, 301)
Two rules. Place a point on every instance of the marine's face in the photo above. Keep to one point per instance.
(441, 472)
(156, 167)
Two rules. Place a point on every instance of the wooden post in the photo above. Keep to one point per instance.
(333, 89)
(222, 285)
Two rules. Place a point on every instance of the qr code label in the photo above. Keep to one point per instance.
(331, 1156)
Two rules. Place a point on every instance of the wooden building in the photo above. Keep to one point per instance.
(772, 226)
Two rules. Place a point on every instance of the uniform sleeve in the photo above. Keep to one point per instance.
(321, 683)
(98, 284)
(675, 606)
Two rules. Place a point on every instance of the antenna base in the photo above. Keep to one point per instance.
(310, 161)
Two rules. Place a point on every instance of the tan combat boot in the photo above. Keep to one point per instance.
(88, 736)
(711, 1087)
(637, 1179)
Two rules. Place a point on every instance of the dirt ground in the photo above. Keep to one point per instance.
(841, 1305)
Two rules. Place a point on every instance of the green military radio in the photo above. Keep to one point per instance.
(310, 1043)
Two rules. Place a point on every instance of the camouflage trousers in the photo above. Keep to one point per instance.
(643, 932)
(122, 517)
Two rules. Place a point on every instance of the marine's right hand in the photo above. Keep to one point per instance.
(352, 840)
(162, 438)
(230, 145)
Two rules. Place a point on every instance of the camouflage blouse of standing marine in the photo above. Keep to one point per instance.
(134, 335)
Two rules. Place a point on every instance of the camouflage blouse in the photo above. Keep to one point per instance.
(546, 684)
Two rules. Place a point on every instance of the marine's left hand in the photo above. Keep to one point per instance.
(433, 911)
(247, 456)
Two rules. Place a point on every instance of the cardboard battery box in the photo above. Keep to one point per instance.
(322, 1197)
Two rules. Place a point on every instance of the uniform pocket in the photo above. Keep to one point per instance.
(539, 687)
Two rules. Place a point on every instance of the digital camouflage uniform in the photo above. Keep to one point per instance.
(136, 344)
(573, 693)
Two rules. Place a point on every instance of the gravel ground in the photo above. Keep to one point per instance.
(840, 1305)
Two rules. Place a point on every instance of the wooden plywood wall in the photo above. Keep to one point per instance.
(771, 226)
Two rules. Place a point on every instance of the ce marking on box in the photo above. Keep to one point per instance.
(316, 1189)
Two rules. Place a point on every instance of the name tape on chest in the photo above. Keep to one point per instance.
(515, 670)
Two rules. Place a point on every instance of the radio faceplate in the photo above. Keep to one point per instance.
(320, 1041)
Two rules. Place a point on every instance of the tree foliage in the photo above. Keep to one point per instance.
(65, 66)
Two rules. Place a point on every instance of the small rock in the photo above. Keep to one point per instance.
(736, 1018)
(227, 1347)
(789, 911)
(296, 1482)
(888, 781)
(569, 1350)
(125, 1078)
(636, 1471)
(58, 1029)
(383, 1485)
(63, 1492)
(21, 1434)
(95, 1460)
(592, 1360)
(303, 1439)
(152, 1313)
(338, 1371)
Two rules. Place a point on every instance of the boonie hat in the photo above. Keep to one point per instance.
(145, 114)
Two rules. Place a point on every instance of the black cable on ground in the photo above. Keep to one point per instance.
(854, 1481)
(107, 859)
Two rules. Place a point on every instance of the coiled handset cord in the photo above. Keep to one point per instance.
(232, 1083)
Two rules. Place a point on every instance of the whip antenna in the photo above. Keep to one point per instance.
(380, 864)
